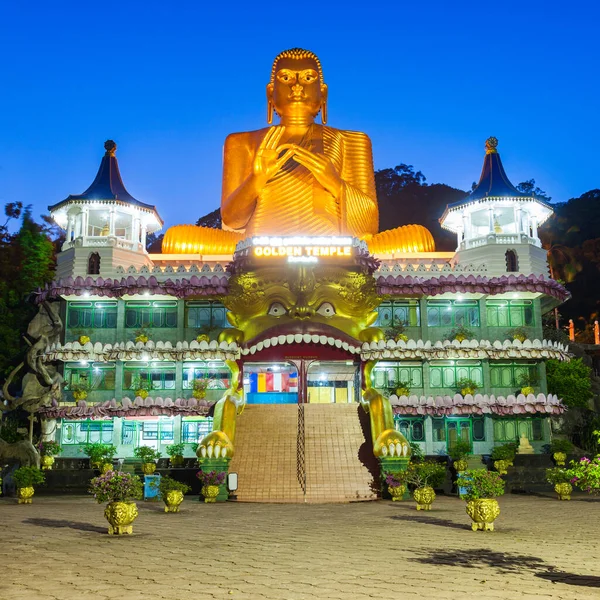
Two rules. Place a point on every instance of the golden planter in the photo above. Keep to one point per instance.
(424, 497)
(177, 460)
(483, 513)
(172, 500)
(501, 466)
(80, 395)
(560, 458)
(84, 339)
(527, 390)
(148, 468)
(25, 494)
(563, 490)
(397, 492)
(143, 394)
(461, 465)
(106, 467)
(210, 493)
(47, 462)
(120, 516)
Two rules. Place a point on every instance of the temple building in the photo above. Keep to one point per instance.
(307, 358)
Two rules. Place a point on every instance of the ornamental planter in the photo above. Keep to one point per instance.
(25, 494)
(397, 492)
(560, 458)
(120, 516)
(210, 493)
(177, 460)
(461, 465)
(424, 497)
(105, 467)
(527, 390)
(143, 394)
(501, 466)
(172, 500)
(80, 395)
(47, 462)
(563, 490)
(483, 513)
(148, 468)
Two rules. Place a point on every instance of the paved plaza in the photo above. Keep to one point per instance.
(58, 548)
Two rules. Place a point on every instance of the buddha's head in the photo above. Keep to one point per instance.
(296, 88)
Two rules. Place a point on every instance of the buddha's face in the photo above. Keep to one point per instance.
(297, 89)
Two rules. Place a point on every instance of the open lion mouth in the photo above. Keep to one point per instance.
(304, 329)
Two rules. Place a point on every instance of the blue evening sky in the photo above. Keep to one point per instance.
(427, 81)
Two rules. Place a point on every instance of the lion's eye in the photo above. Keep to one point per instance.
(326, 309)
(277, 309)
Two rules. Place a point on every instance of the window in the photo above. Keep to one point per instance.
(406, 313)
(151, 314)
(512, 375)
(94, 264)
(92, 315)
(389, 375)
(478, 429)
(452, 313)
(512, 261)
(193, 430)
(511, 429)
(509, 313)
(439, 430)
(445, 374)
(138, 433)
(96, 376)
(205, 315)
(86, 432)
(216, 372)
(412, 429)
(154, 376)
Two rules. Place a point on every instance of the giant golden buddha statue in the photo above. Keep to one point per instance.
(298, 177)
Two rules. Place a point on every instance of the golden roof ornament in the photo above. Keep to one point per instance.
(111, 147)
(490, 145)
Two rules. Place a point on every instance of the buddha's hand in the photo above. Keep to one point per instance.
(320, 166)
(268, 158)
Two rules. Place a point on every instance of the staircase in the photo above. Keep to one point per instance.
(268, 454)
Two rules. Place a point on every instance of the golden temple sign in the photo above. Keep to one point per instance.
(302, 249)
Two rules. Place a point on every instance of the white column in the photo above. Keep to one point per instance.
(135, 229)
(144, 232)
(491, 215)
(84, 221)
(534, 232)
(111, 221)
(466, 226)
(69, 227)
(519, 219)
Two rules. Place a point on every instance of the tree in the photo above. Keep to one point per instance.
(529, 187)
(212, 220)
(570, 381)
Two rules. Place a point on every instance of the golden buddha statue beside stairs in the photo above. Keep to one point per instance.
(298, 177)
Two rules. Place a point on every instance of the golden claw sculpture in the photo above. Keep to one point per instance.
(297, 177)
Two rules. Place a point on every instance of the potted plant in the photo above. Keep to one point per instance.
(48, 450)
(118, 490)
(100, 454)
(458, 452)
(210, 484)
(403, 389)
(527, 381)
(517, 333)
(25, 478)
(425, 476)
(396, 333)
(561, 480)
(585, 474)
(199, 388)
(79, 390)
(482, 488)
(142, 334)
(172, 493)
(559, 450)
(466, 386)
(141, 386)
(396, 483)
(203, 337)
(148, 457)
(416, 453)
(460, 334)
(503, 457)
(175, 451)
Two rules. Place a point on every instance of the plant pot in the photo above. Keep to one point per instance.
(177, 460)
(25, 494)
(210, 493)
(401, 337)
(501, 466)
(47, 462)
(527, 390)
(143, 394)
(424, 497)
(397, 492)
(402, 391)
(483, 513)
(461, 465)
(560, 458)
(468, 390)
(142, 338)
(172, 500)
(83, 339)
(80, 395)
(199, 394)
(202, 338)
(148, 468)
(120, 516)
(106, 467)
(563, 490)
(520, 337)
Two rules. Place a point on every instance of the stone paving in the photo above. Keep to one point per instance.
(57, 548)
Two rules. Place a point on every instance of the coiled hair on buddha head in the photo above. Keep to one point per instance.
(297, 53)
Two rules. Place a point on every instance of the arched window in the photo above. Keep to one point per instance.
(512, 261)
(94, 264)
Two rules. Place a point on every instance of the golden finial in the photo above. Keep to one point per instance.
(110, 147)
(490, 145)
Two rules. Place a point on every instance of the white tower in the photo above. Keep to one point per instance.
(496, 225)
(106, 226)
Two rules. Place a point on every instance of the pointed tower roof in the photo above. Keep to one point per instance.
(107, 186)
(494, 185)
